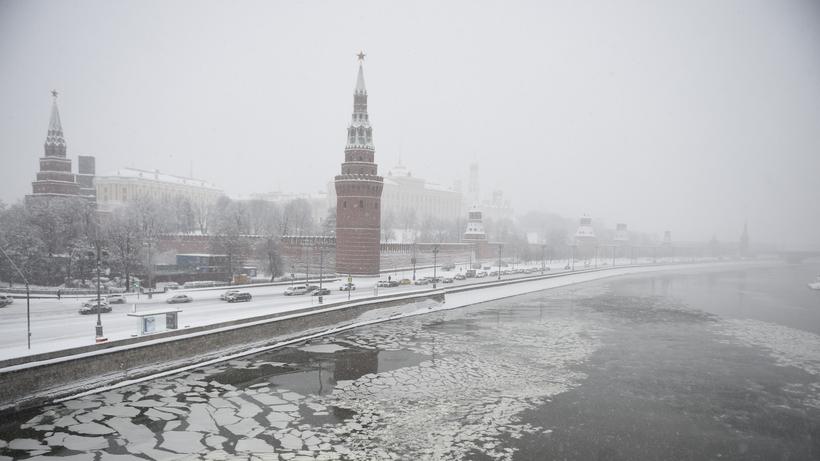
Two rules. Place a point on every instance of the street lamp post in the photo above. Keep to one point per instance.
(543, 258)
(28, 299)
(98, 328)
(500, 246)
(435, 252)
(413, 260)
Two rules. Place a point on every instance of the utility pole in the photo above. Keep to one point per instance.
(435, 252)
(28, 298)
(413, 260)
(500, 246)
(98, 329)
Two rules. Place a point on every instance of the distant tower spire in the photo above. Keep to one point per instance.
(55, 145)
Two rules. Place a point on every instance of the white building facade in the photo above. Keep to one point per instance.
(129, 184)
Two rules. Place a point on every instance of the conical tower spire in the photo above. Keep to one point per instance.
(360, 88)
(55, 145)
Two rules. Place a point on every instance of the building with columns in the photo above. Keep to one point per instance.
(358, 193)
(55, 178)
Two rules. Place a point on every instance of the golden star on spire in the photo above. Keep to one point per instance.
(361, 55)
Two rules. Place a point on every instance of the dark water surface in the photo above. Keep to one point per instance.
(719, 365)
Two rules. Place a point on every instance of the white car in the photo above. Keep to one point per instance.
(347, 287)
(116, 299)
(180, 298)
(296, 290)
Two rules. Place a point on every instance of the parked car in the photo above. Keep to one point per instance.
(180, 298)
(116, 299)
(447, 280)
(567, 267)
(493, 273)
(91, 307)
(296, 290)
(93, 302)
(421, 281)
(481, 274)
(460, 277)
(224, 296)
(320, 292)
(448, 267)
(5, 300)
(393, 283)
(405, 282)
(238, 296)
(347, 287)
(312, 288)
(383, 284)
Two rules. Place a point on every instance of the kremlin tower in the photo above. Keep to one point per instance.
(55, 178)
(358, 193)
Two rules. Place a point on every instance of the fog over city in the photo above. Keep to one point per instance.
(693, 117)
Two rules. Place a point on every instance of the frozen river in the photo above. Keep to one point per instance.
(655, 366)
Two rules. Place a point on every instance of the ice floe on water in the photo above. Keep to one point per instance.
(789, 347)
(465, 394)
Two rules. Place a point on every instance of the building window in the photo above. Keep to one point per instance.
(344, 204)
(361, 203)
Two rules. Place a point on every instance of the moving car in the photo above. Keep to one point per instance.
(5, 300)
(93, 302)
(296, 290)
(383, 284)
(224, 296)
(422, 281)
(116, 299)
(238, 296)
(481, 274)
(347, 287)
(91, 307)
(405, 282)
(320, 292)
(447, 280)
(180, 298)
(459, 277)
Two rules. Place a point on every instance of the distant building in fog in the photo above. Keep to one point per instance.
(129, 184)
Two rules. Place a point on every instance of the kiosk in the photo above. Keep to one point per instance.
(149, 322)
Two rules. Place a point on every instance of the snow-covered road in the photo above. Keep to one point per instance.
(57, 325)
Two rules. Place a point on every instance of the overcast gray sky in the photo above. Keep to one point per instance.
(690, 116)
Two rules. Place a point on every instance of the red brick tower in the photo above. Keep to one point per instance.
(358, 194)
(55, 177)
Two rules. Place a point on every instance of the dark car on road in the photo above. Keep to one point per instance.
(180, 298)
(91, 307)
(5, 300)
(320, 292)
(238, 296)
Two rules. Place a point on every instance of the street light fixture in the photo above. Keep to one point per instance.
(28, 299)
